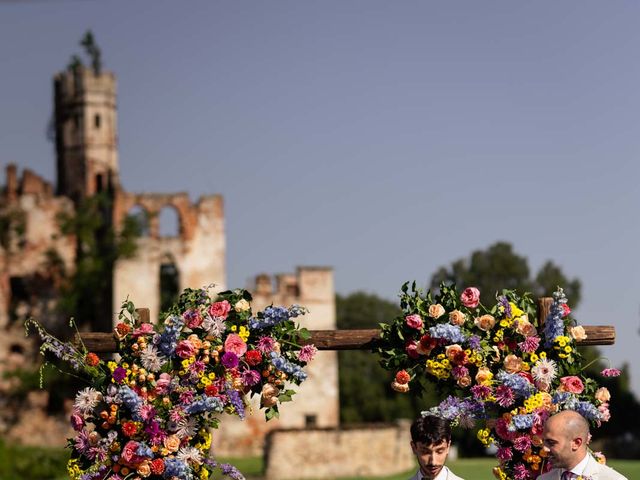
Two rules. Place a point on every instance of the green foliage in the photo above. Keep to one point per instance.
(19, 462)
(499, 267)
(86, 295)
(365, 392)
(12, 226)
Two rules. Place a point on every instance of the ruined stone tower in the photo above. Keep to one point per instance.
(86, 132)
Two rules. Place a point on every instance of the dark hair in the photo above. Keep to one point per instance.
(430, 430)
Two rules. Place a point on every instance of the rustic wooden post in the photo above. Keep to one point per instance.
(354, 339)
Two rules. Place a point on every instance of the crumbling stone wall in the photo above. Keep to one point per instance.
(367, 451)
(198, 252)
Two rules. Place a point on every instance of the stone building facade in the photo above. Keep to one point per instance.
(34, 253)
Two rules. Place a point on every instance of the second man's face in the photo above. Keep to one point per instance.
(431, 457)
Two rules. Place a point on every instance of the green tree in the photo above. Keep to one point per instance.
(499, 267)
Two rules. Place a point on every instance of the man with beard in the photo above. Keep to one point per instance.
(565, 436)
(430, 442)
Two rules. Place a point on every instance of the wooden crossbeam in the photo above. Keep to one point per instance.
(354, 339)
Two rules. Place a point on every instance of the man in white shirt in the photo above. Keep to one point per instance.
(430, 442)
(565, 436)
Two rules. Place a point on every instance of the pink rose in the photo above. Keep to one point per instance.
(604, 412)
(470, 297)
(411, 347)
(235, 344)
(192, 318)
(571, 384)
(220, 309)
(185, 349)
(143, 329)
(129, 453)
(162, 384)
(413, 321)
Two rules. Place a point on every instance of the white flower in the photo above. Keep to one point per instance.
(151, 359)
(186, 427)
(190, 455)
(544, 371)
(214, 326)
(87, 400)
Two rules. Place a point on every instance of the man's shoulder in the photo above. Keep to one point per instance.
(550, 475)
(609, 473)
(453, 476)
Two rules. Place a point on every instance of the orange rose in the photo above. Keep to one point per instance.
(512, 363)
(457, 317)
(578, 333)
(172, 443)
(484, 375)
(603, 395)
(485, 322)
(524, 327)
(464, 381)
(451, 351)
(436, 311)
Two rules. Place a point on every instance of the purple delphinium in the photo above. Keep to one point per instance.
(236, 400)
(448, 332)
(504, 302)
(231, 471)
(474, 342)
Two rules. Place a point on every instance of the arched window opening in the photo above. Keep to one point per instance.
(96, 121)
(137, 219)
(169, 222)
(169, 283)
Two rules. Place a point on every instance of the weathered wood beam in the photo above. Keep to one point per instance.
(346, 339)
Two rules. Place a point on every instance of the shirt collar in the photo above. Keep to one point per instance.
(443, 475)
(580, 467)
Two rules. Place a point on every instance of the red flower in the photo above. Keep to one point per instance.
(129, 429)
(92, 359)
(253, 357)
(121, 330)
(402, 377)
(459, 358)
(157, 466)
(565, 310)
(211, 390)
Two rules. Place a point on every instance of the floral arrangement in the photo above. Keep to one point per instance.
(147, 413)
(496, 366)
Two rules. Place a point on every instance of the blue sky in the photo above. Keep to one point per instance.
(384, 139)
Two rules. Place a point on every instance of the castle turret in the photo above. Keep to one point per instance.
(86, 133)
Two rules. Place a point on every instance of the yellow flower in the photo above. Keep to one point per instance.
(568, 349)
(211, 375)
(234, 328)
(543, 354)
(185, 363)
(533, 358)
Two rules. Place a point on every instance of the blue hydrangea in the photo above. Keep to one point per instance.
(588, 410)
(169, 337)
(132, 401)
(446, 331)
(519, 385)
(144, 450)
(288, 367)
(521, 422)
(204, 404)
(272, 316)
(554, 325)
(174, 467)
(463, 411)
